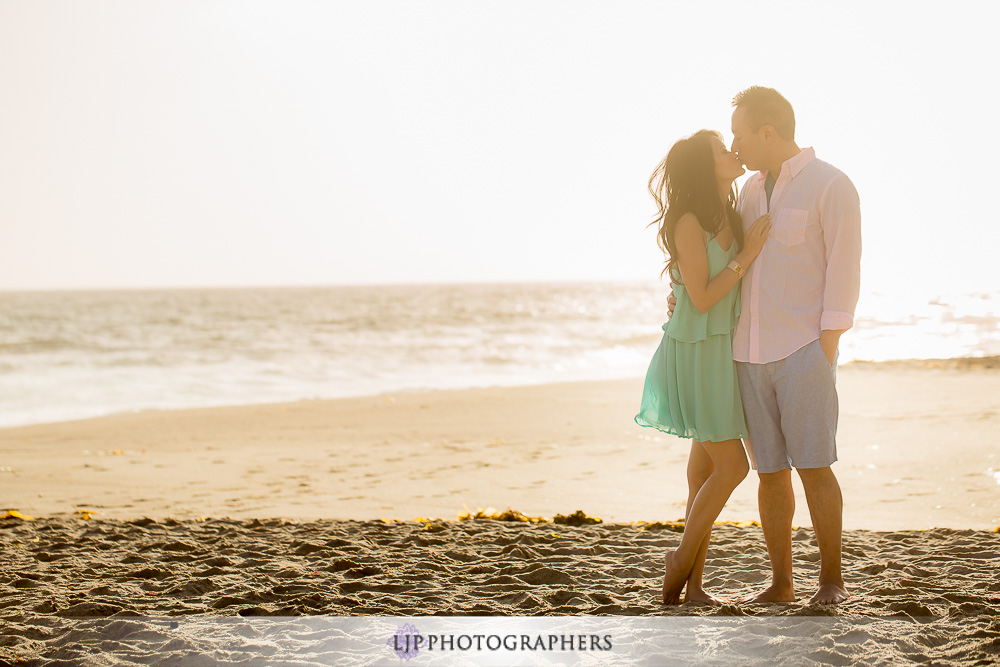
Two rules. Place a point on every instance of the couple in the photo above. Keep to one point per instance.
(757, 360)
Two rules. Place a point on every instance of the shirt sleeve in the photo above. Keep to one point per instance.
(840, 217)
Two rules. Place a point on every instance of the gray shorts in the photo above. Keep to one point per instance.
(791, 410)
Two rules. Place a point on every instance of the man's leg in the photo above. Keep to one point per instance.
(809, 421)
(776, 502)
(774, 494)
(826, 507)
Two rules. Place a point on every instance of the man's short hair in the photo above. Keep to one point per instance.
(766, 106)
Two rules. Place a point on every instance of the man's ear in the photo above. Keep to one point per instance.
(768, 133)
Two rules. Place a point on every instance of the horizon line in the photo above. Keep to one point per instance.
(441, 283)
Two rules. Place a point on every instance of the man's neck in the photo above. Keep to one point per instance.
(783, 155)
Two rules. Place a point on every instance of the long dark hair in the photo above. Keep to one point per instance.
(684, 182)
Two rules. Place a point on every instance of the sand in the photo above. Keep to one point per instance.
(917, 595)
(917, 449)
(271, 514)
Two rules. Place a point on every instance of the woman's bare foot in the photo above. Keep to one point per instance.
(829, 594)
(701, 596)
(774, 593)
(674, 578)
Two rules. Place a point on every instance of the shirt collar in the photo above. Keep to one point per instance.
(795, 164)
(799, 162)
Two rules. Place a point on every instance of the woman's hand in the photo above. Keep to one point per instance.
(753, 240)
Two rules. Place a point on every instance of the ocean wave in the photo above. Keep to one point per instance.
(91, 353)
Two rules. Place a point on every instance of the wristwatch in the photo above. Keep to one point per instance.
(735, 266)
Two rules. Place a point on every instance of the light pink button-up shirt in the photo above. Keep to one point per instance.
(808, 275)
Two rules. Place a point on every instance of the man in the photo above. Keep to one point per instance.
(798, 297)
(797, 300)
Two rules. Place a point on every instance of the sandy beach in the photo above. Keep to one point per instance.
(917, 449)
(917, 595)
(308, 509)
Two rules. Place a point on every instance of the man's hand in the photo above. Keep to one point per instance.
(829, 339)
(671, 302)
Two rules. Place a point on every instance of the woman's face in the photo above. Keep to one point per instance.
(727, 166)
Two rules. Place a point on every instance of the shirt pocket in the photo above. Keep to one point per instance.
(790, 226)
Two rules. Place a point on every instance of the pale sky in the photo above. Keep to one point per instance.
(160, 144)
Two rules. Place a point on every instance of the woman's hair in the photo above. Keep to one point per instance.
(684, 182)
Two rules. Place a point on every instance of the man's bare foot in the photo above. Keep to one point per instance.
(701, 596)
(774, 593)
(829, 594)
(674, 579)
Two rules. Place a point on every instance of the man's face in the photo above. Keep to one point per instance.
(747, 144)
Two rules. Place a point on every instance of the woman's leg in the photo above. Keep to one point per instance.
(699, 469)
(730, 466)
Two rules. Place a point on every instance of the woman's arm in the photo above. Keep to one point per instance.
(692, 260)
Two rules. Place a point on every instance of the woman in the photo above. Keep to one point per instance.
(691, 388)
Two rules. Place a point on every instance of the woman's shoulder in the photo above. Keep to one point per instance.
(689, 226)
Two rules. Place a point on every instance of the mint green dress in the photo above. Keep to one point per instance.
(691, 388)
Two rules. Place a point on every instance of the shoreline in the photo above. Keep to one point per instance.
(539, 449)
(985, 363)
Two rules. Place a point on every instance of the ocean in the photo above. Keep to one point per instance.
(78, 354)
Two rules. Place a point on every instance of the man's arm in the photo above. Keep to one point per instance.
(840, 217)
